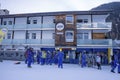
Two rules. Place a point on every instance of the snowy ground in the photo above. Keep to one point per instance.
(11, 71)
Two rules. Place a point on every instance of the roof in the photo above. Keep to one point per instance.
(57, 13)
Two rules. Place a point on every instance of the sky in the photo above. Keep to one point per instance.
(33, 6)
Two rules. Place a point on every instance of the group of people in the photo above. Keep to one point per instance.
(43, 57)
(56, 57)
(90, 60)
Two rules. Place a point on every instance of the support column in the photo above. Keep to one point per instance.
(110, 52)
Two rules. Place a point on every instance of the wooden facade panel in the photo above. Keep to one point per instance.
(60, 39)
(98, 36)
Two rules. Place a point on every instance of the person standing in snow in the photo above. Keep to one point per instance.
(60, 55)
(119, 62)
(98, 61)
(39, 53)
(83, 59)
(29, 57)
(113, 63)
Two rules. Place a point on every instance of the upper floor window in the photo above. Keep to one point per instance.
(10, 22)
(82, 20)
(69, 19)
(34, 21)
(5, 23)
(33, 35)
(9, 36)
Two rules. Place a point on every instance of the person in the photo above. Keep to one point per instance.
(113, 63)
(119, 62)
(26, 55)
(29, 57)
(39, 53)
(98, 61)
(43, 57)
(83, 59)
(60, 55)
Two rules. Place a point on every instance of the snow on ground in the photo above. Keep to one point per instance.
(11, 71)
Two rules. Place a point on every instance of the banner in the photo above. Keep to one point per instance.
(3, 32)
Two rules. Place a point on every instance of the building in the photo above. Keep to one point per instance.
(73, 31)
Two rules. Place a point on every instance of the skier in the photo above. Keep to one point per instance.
(119, 62)
(98, 61)
(43, 57)
(29, 57)
(39, 56)
(60, 55)
(26, 55)
(83, 59)
(113, 63)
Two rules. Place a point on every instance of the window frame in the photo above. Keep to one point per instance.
(33, 36)
(67, 19)
(68, 38)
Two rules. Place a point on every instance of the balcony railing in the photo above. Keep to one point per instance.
(6, 26)
(20, 26)
(33, 26)
(48, 25)
(94, 42)
(28, 41)
(33, 41)
(107, 25)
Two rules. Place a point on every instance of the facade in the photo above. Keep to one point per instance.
(73, 31)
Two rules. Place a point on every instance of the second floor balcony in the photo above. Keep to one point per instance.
(107, 25)
(28, 42)
(94, 42)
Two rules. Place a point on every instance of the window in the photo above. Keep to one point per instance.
(10, 22)
(4, 23)
(28, 36)
(33, 35)
(34, 21)
(79, 21)
(28, 21)
(9, 36)
(82, 36)
(82, 20)
(85, 20)
(69, 19)
(69, 36)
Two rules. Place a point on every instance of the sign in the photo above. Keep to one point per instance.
(60, 26)
(3, 32)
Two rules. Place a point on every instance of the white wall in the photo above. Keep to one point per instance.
(48, 19)
(20, 21)
(47, 34)
(99, 18)
(19, 34)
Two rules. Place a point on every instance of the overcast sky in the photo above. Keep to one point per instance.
(32, 6)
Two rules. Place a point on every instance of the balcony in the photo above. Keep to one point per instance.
(48, 26)
(20, 26)
(33, 41)
(94, 42)
(18, 41)
(107, 25)
(9, 27)
(48, 42)
(33, 26)
(6, 42)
